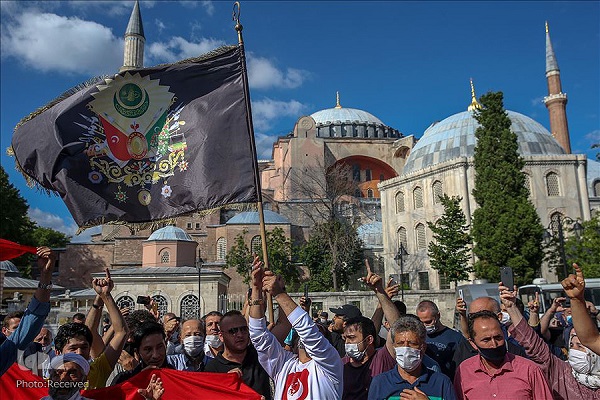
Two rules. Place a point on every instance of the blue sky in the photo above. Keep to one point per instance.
(408, 63)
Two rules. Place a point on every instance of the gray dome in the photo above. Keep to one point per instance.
(170, 233)
(371, 234)
(342, 114)
(8, 266)
(251, 218)
(454, 137)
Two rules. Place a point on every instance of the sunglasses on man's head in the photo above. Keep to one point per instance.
(237, 329)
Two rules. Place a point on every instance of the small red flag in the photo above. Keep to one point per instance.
(10, 250)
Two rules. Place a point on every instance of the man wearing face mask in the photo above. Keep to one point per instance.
(192, 356)
(410, 379)
(213, 344)
(495, 373)
(441, 340)
(44, 338)
(359, 333)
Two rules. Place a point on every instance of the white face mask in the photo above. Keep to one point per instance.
(408, 358)
(505, 319)
(323, 320)
(431, 328)
(580, 361)
(353, 352)
(46, 349)
(213, 341)
(193, 345)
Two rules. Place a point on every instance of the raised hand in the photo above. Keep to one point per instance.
(305, 303)
(372, 280)
(574, 285)
(257, 273)
(461, 306)
(507, 296)
(534, 305)
(154, 390)
(392, 289)
(273, 284)
(103, 286)
(46, 259)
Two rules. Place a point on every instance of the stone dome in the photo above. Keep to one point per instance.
(343, 114)
(8, 266)
(251, 218)
(454, 137)
(170, 233)
(371, 234)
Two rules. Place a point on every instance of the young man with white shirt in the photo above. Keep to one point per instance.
(316, 372)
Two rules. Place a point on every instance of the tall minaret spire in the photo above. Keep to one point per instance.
(337, 100)
(474, 104)
(133, 56)
(556, 101)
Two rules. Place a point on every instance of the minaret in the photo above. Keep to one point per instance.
(556, 101)
(134, 41)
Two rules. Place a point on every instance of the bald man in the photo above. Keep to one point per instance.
(467, 349)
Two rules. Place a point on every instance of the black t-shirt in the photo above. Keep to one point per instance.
(357, 381)
(339, 343)
(253, 374)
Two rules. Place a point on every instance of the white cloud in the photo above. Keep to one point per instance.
(66, 226)
(160, 25)
(263, 74)
(264, 145)
(178, 48)
(49, 42)
(593, 136)
(267, 110)
(209, 7)
(538, 101)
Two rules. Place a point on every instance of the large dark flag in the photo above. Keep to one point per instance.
(146, 144)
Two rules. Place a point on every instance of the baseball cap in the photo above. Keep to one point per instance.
(347, 311)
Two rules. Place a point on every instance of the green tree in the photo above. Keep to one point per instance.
(15, 225)
(334, 246)
(49, 237)
(279, 251)
(506, 228)
(584, 249)
(449, 253)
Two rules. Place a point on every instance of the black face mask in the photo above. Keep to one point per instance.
(494, 354)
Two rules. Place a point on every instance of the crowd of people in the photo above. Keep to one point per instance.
(501, 349)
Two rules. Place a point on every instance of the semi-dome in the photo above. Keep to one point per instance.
(454, 137)
(371, 234)
(251, 218)
(8, 266)
(170, 233)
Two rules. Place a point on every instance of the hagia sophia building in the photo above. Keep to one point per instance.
(399, 181)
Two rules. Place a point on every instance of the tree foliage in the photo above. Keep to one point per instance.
(506, 227)
(585, 248)
(449, 251)
(279, 251)
(332, 254)
(49, 237)
(15, 225)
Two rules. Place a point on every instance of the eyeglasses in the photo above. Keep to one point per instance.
(237, 329)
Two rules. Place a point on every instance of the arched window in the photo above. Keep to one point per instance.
(418, 197)
(125, 302)
(399, 202)
(420, 234)
(552, 184)
(256, 245)
(221, 248)
(402, 237)
(189, 308)
(165, 257)
(163, 305)
(555, 220)
(370, 193)
(438, 191)
(597, 188)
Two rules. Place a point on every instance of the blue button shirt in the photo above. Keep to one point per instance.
(30, 325)
(390, 384)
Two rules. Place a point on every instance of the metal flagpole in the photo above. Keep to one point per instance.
(261, 217)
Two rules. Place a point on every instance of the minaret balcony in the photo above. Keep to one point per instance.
(557, 96)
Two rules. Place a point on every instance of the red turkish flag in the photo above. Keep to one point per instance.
(10, 250)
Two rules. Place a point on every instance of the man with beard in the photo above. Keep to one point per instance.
(239, 355)
(68, 375)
